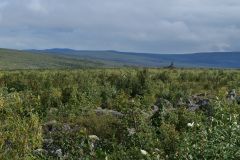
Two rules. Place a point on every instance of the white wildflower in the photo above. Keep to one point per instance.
(212, 119)
(91, 146)
(144, 152)
(190, 124)
(131, 131)
(235, 123)
(93, 137)
(190, 156)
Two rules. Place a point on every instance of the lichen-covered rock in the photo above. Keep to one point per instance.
(199, 101)
(66, 127)
(58, 152)
(40, 151)
(232, 94)
(101, 111)
(238, 99)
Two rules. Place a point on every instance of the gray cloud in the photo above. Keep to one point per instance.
(158, 26)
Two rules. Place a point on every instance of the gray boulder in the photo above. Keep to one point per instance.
(40, 151)
(101, 111)
(238, 99)
(197, 102)
(48, 141)
(193, 106)
(59, 153)
(66, 127)
(232, 94)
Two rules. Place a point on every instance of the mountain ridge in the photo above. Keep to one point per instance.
(201, 59)
(70, 58)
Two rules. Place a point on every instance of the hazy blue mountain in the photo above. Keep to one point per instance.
(115, 58)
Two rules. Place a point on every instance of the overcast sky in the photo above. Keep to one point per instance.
(157, 26)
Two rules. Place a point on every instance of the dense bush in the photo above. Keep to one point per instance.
(120, 114)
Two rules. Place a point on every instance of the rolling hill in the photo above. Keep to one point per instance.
(211, 59)
(68, 58)
(16, 59)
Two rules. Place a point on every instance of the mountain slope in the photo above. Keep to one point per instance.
(212, 59)
(67, 58)
(15, 59)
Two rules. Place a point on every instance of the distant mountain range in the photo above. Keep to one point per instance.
(115, 58)
(68, 58)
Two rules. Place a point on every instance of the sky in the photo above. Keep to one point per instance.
(154, 26)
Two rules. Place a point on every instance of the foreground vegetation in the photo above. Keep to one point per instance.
(120, 114)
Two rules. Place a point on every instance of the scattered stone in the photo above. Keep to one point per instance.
(203, 102)
(101, 111)
(196, 102)
(48, 141)
(192, 106)
(238, 99)
(53, 110)
(40, 151)
(66, 127)
(59, 153)
(232, 94)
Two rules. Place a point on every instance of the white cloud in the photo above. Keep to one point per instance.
(136, 25)
(37, 6)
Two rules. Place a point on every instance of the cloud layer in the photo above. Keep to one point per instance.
(158, 26)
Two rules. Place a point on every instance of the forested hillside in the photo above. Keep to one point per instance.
(119, 114)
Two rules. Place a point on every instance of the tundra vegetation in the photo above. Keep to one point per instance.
(120, 114)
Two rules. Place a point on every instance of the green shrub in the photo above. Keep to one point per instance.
(51, 114)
